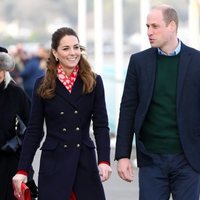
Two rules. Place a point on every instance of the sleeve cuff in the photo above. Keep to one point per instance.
(22, 172)
(104, 162)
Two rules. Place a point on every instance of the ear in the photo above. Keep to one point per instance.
(173, 26)
(54, 53)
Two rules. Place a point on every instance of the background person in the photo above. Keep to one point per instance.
(31, 71)
(13, 101)
(68, 97)
(160, 104)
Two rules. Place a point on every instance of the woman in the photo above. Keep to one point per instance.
(13, 101)
(68, 97)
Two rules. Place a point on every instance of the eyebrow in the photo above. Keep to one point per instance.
(152, 24)
(69, 45)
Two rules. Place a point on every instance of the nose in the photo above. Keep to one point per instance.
(149, 31)
(71, 51)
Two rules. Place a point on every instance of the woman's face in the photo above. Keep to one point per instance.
(2, 75)
(68, 52)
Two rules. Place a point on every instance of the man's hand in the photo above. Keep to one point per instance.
(125, 169)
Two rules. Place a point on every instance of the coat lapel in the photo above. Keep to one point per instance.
(182, 70)
(150, 65)
(72, 97)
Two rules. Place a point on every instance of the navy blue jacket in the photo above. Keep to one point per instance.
(30, 73)
(138, 91)
(68, 159)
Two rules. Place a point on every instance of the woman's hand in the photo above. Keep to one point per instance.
(104, 171)
(17, 181)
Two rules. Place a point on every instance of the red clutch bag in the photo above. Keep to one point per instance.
(26, 194)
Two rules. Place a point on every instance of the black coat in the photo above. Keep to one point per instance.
(13, 101)
(68, 153)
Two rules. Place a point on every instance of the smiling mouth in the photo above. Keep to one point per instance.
(71, 59)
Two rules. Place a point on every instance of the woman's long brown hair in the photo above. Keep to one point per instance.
(47, 87)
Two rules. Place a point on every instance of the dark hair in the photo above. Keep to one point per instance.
(48, 85)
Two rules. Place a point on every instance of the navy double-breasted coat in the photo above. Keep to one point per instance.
(68, 159)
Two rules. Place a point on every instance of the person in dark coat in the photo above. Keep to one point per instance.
(13, 101)
(69, 97)
(161, 107)
(32, 70)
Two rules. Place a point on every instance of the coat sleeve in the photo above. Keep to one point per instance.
(34, 131)
(100, 123)
(128, 108)
(25, 108)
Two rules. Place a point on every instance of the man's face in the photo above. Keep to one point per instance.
(159, 33)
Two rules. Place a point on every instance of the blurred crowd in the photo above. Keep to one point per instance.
(30, 64)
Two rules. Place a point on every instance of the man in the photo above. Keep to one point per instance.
(161, 105)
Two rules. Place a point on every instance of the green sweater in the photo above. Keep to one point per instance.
(159, 132)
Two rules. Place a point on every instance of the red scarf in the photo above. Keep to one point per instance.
(67, 81)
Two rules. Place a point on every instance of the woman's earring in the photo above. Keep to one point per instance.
(56, 59)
